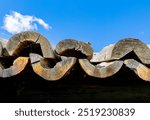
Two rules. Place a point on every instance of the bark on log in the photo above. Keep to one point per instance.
(57, 72)
(123, 47)
(18, 66)
(74, 48)
(102, 70)
(25, 39)
(141, 70)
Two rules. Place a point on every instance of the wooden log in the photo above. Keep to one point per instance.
(25, 39)
(74, 48)
(3, 43)
(102, 70)
(125, 46)
(18, 66)
(141, 70)
(1, 50)
(57, 72)
(104, 55)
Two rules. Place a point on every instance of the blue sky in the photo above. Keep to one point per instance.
(100, 22)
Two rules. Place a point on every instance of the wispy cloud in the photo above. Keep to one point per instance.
(16, 22)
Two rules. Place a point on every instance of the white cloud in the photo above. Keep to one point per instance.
(16, 22)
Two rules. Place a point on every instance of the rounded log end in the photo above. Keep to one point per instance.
(28, 41)
(74, 48)
(104, 70)
(59, 70)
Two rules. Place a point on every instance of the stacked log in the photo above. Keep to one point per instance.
(18, 66)
(70, 47)
(54, 64)
(57, 72)
(141, 70)
(126, 46)
(21, 41)
(101, 70)
(104, 55)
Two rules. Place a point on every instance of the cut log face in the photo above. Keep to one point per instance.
(123, 47)
(25, 39)
(74, 48)
(18, 66)
(57, 72)
(141, 70)
(102, 70)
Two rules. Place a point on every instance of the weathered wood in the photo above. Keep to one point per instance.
(18, 66)
(57, 72)
(3, 43)
(74, 48)
(141, 70)
(125, 46)
(1, 50)
(104, 55)
(25, 39)
(101, 70)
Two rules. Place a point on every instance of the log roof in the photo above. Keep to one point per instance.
(31, 50)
